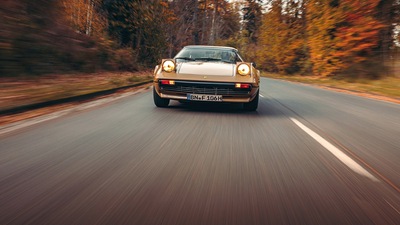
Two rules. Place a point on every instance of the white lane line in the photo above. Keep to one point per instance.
(392, 207)
(262, 96)
(336, 152)
(40, 119)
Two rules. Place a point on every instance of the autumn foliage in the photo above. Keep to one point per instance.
(358, 32)
(282, 40)
(45, 36)
(328, 37)
(321, 37)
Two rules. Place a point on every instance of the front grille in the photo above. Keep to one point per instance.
(226, 89)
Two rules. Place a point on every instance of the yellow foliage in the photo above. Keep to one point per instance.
(340, 36)
(280, 41)
(322, 19)
(82, 16)
(360, 32)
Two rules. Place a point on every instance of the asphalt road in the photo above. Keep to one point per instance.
(307, 156)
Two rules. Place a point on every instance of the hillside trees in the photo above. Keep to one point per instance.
(357, 34)
(35, 39)
(252, 18)
(389, 15)
(282, 38)
(201, 22)
(327, 37)
(322, 17)
(155, 28)
(343, 35)
(139, 25)
(331, 37)
(86, 35)
(84, 16)
(246, 24)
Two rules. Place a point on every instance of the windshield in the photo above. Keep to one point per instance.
(208, 54)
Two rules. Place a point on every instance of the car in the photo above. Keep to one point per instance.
(207, 74)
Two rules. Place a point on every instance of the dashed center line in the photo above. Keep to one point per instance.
(353, 165)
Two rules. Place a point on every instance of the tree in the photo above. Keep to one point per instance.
(388, 13)
(140, 25)
(84, 16)
(358, 33)
(201, 22)
(282, 46)
(252, 18)
(230, 21)
(322, 19)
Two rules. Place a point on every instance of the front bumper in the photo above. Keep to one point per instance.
(227, 90)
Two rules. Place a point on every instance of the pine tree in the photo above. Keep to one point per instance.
(252, 18)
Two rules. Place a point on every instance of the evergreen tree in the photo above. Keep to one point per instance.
(252, 18)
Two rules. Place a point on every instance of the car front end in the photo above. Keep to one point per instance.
(205, 79)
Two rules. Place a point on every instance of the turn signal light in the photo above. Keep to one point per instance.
(167, 82)
(244, 86)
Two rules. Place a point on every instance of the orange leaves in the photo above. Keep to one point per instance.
(343, 35)
(331, 37)
(358, 34)
(167, 13)
(83, 17)
(281, 40)
(321, 23)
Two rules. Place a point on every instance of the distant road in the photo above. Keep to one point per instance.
(307, 156)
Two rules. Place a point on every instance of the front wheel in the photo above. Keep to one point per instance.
(253, 104)
(158, 101)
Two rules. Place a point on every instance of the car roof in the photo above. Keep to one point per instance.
(209, 46)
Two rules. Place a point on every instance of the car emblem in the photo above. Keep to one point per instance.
(205, 77)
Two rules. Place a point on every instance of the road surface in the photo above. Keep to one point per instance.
(307, 156)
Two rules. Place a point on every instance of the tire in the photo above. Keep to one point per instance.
(252, 105)
(158, 101)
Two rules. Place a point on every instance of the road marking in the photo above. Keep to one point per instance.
(353, 165)
(392, 207)
(262, 96)
(84, 106)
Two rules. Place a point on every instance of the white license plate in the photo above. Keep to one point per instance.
(207, 98)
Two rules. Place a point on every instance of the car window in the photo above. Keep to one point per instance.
(208, 54)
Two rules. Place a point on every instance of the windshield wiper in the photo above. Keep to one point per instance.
(208, 59)
(227, 61)
(186, 58)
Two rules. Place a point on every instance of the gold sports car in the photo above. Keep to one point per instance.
(207, 73)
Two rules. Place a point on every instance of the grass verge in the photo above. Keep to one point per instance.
(388, 87)
(20, 91)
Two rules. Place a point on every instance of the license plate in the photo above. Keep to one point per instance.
(207, 98)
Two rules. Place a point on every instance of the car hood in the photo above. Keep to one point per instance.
(206, 68)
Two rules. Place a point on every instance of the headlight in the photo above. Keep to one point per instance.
(243, 69)
(168, 66)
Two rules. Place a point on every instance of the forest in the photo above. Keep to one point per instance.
(324, 38)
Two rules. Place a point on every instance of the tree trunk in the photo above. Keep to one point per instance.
(387, 17)
(88, 17)
(211, 40)
(195, 23)
(203, 28)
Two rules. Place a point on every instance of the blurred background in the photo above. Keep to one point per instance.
(326, 38)
(127, 162)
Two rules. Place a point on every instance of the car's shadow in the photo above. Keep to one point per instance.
(265, 108)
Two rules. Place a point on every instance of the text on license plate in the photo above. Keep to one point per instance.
(208, 98)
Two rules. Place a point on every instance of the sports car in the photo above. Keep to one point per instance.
(207, 74)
